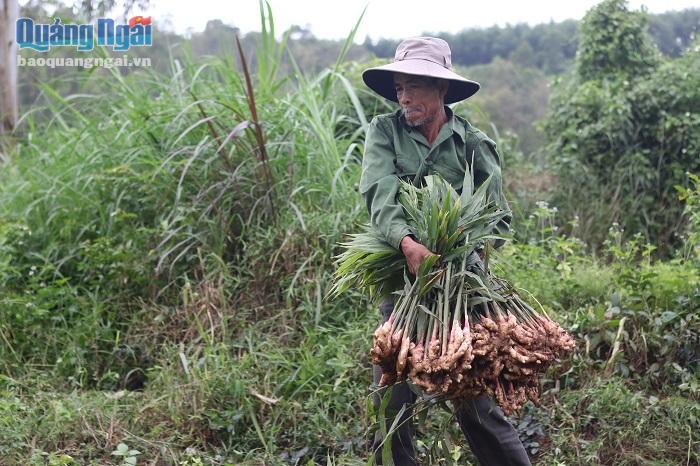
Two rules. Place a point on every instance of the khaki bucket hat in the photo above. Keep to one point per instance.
(422, 56)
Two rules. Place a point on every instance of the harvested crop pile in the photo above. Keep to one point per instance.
(456, 329)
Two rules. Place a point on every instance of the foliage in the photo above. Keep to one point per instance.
(691, 196)
(614, 41)
(607, 421)
(551, 47)
(448, 224)
(129, 456)
(125, 203)
(513, 98)
(622, 135)
(674, 31)
(645, 309)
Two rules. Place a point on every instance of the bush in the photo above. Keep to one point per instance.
(624, 132)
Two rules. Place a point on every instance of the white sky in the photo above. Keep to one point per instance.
(333, 19)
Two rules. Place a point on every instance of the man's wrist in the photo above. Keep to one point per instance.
(406, 240)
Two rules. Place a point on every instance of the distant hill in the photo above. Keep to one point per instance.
(549, 46)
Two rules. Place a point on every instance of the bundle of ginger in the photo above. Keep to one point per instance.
(496, 347)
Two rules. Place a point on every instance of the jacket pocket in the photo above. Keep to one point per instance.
(406, 165)
(453, 176)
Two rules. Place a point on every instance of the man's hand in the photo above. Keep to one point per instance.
(415, 253)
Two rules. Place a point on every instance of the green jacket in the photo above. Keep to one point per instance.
(393, 150)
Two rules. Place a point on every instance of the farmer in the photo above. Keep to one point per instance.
(424, 137)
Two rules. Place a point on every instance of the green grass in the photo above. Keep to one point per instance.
(609, 422)
(270, 390)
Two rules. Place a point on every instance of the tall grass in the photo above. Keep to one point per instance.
(139, 250)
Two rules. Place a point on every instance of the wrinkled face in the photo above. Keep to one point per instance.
(421, 98)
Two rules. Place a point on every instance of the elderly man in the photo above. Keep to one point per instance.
(421, 138)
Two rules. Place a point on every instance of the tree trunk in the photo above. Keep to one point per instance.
(8, 66)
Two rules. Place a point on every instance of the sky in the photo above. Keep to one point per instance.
(333, 19)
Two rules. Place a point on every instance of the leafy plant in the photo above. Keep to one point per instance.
(128, 456)
(691, 196)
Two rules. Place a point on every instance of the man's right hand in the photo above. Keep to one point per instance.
(415, 253)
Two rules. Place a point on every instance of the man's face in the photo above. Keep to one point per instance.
(421, 98)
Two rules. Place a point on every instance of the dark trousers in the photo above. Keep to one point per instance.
(491, 437)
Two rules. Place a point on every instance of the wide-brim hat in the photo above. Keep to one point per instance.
(421, 56)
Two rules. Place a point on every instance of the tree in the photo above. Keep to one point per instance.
(624, 130)
(674, 31)
(614, 40)
(8, 66)
(523, 55)
(513, 97)
(97, 8)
